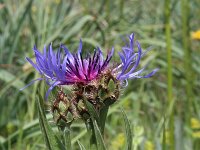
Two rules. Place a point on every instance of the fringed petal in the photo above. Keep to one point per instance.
(130, 61)
(33, 81)
(51, 88)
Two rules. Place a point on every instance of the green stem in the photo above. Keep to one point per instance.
(164, 136)
(121, 8)
(92, 137)
(65, 136)
(185, 10)
(103, 116)
(169, 69)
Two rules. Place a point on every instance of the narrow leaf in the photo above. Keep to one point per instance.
(102, 117)
(17, 30)
(93, 113)
(77, 27)
(65, 135)
(81, 145)
(11, 79)
(99, 139)
(128, 131)
(95, 125)
(52, 141)
(164, 136)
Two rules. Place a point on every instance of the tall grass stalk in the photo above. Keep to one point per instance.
(169, 70)
(185, 10)
(17, 30)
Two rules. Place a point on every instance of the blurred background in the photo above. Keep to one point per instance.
(164, 111)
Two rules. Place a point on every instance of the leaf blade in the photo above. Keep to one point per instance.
(52, 141)
(81, 145)
(93, 113)
(102, 117)
(99, 138)
(128, 131)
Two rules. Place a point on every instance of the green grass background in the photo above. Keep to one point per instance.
(160, 108)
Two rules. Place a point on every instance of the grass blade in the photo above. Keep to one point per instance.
(77, 27)
(17, 31)
(52, 141)
(65, 135)
(12, 79)
(81, 145)
(128, 131)
(169, 70)
(185, 8)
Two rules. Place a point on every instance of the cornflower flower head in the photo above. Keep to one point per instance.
(67, 68)
(94, 78)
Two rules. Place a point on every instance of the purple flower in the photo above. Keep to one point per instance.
(130, 60)
(65, 68)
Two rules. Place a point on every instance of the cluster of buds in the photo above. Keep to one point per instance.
(101, 92)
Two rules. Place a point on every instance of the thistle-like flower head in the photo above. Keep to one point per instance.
(66, 68)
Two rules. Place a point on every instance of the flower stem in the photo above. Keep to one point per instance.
(185, 10)
(103, 116)
(65, 135)
(169, 71)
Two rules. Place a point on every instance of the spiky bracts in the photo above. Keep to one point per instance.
(101, 92)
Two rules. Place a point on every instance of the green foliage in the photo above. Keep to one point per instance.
(24, 23)
(81, 146)
(128, 131)
(95, 127)
(99, 139)
(52, 141)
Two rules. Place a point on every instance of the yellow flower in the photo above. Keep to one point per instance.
(196, 134)
(118, 142)
(196, 35)
(195, 123)
(149, 145)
